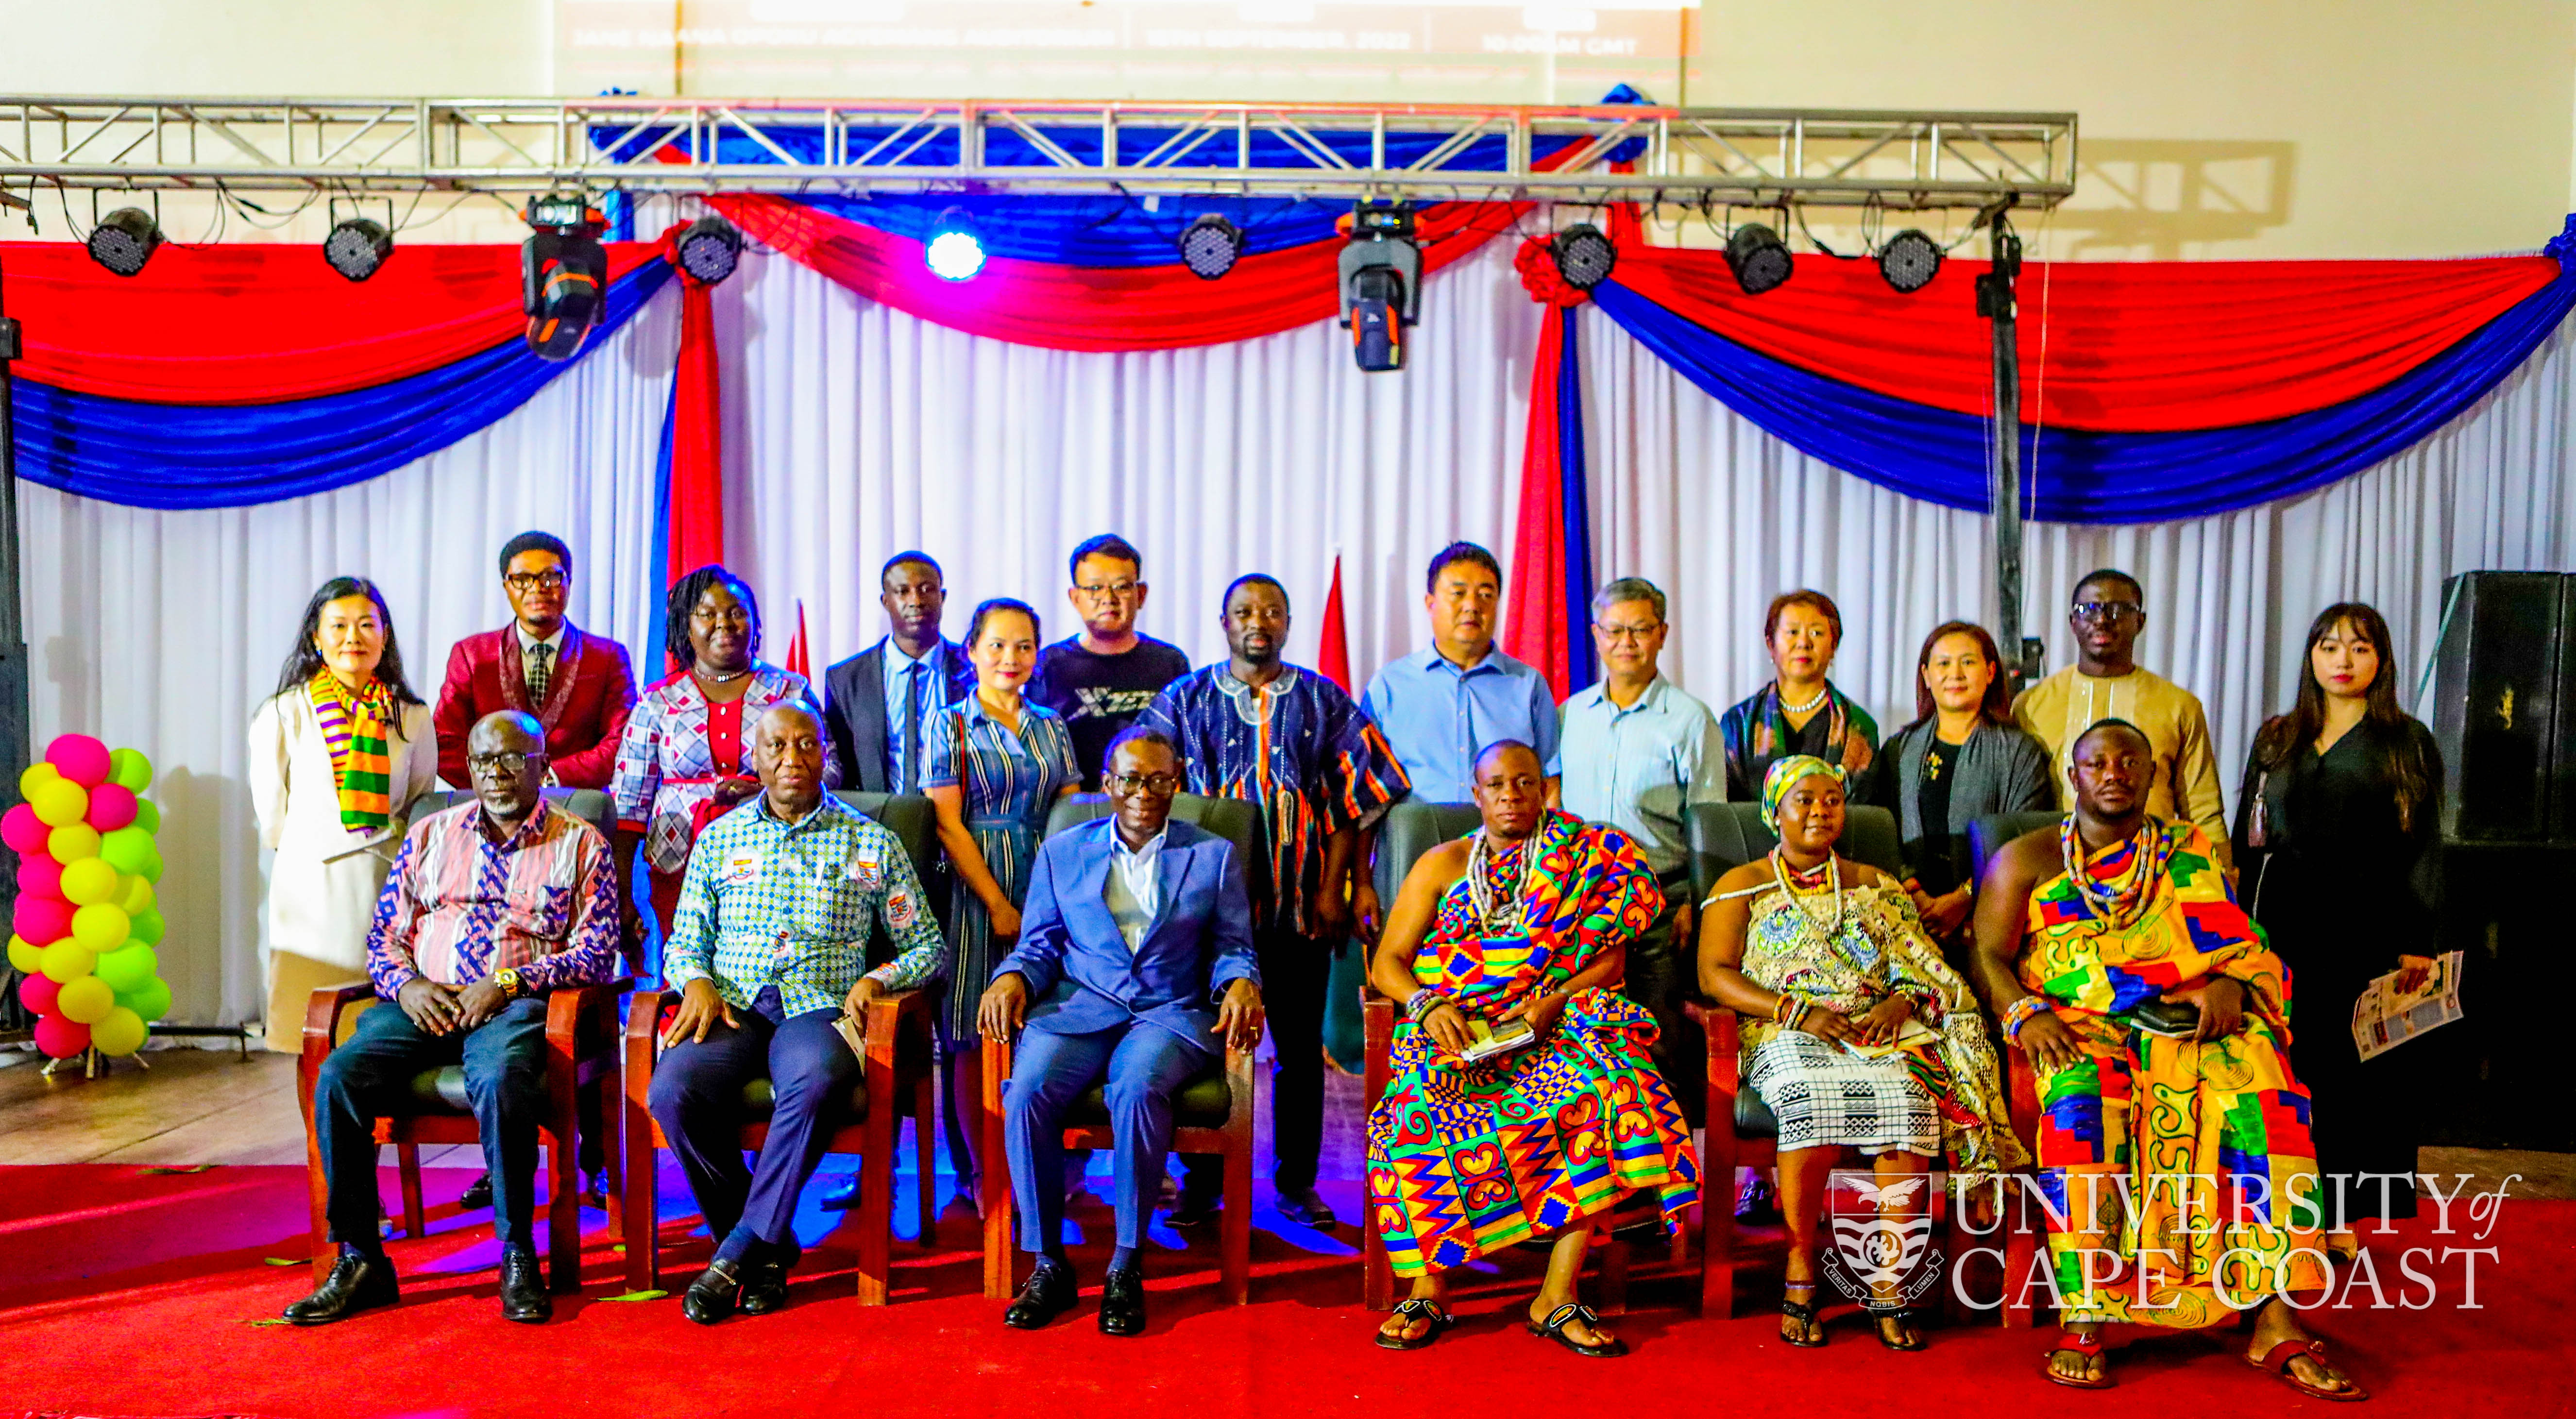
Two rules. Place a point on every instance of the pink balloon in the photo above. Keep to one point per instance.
(37, 993)
(80, 758)
(40, 876)
(23, 831)
(42, 920)
(59, 1037)
(111, 806)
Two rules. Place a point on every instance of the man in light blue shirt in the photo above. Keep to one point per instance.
(1638, 753)
(1441, 707)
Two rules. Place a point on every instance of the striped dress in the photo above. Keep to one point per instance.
(1011, 781)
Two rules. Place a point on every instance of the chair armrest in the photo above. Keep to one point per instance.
(643, 1022)
(997, 1072)
(571, 1007)
(2021, 1096)
(886, 1015)
(322, 1018)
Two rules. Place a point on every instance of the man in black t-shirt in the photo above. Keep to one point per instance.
(1101, 679)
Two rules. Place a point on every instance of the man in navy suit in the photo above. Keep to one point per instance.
(1135, 965)
(878, 703)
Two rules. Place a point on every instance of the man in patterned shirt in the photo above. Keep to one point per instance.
(768, 946)
(489, 906)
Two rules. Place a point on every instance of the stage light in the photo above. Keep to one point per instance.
(356, 247)
(709, 248)
(1381, 273)
(1759, 259)
(1584, 257)
(956, 251)
(1909, 260)
(124, 239)
(1211, 247)
(563, 275)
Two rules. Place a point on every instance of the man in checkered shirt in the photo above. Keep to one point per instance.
(768, 947)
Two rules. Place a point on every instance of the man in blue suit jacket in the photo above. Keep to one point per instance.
(1135, 964)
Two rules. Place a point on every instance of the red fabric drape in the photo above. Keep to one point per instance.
(1333, 656)
(261, 324)
(2137, 346)
(697, 434)
(1535, 629)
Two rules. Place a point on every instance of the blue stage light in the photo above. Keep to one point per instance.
(955, 252)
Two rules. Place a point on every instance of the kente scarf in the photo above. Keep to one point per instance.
(1767, 728)
(355, 726)
(1785, 774)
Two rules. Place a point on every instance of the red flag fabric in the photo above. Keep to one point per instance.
(1333, 657)
(697, 432)
(797, 661)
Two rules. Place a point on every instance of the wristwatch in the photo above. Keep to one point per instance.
(508, 980)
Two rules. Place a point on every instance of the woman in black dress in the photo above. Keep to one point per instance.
(2339, 804)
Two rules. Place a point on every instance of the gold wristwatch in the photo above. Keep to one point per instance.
(508, 980)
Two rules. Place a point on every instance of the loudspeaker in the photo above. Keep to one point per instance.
(2499, 680)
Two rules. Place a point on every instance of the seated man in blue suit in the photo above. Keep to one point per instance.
(1135, 964)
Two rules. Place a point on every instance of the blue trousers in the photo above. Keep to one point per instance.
(371, 1074)
(697, 1098)
(1144, 1067)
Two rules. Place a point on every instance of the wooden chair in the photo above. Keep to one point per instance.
(895, 1081)
(1212, 1113)
(1986, 837)
(1408, 831)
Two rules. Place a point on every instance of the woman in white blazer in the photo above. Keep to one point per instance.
(336, 757)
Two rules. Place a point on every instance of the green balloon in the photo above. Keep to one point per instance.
(147, 815)
(128, 768)
(127, 967)
(146, 927)
(150, 1000)
(128, 849)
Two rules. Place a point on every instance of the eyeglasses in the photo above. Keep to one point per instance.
(1633, 635)
(1101, 591)
(2107, 611)
(734, 615)
(502, 763)
(523, 582)
(1128, 785)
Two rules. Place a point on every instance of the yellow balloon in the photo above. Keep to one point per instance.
(120, 1032)
(36, 776)
(67, 961)
(102, 927)
(89, 882)
(68, 845)
(137, 896)
(85, 1000)
(59, 803)
(25, 956)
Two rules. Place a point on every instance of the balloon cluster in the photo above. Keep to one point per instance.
(87, 919)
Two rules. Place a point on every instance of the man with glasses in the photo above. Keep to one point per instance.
(1293, 744)
(489, 906)
(578, 686)
(1101, 679)
(2105, 682)
(1134, 971)
(1638, 752)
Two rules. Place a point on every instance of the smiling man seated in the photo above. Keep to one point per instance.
(1136, 949)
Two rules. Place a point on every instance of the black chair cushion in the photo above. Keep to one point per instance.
(1753, 1118)
(442, 1091)
(758, 1101)
(588, 804)
(1725, 836)
(1987, 835)
(1415, 827)
(1206, 1101)
(909, 817)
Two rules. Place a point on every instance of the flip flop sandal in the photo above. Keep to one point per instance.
(1553, 1328)
(2087, 1346)
(1409, 1309)
(1902, 1317)
(2277, 1361)
(1804, 1313)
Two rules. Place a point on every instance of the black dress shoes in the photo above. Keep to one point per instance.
(523, 1288)
(477, 1194)
(764, 1287)
(359, 1281)
(713, 1295)
(1122, 1302)
(1050, 1292)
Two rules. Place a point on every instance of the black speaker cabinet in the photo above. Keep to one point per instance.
(2500, 676)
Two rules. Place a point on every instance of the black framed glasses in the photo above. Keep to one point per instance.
(2108, 612)
(1106, 590)
(552, 579)
(506, 762)
(1126, 785)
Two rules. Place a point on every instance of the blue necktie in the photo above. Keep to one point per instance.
(911, 730)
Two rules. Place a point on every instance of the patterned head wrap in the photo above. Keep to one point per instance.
(1787, 772)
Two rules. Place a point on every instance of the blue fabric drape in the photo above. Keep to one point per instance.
(2080, 476)
(1573, 484)
(236, 455)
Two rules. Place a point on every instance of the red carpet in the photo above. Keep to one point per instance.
(123, 1293)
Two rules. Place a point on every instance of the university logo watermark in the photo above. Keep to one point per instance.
(1883, 1250)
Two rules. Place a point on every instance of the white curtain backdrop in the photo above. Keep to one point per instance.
(853, 432)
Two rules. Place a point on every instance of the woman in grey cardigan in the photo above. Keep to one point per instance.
(1961, 759)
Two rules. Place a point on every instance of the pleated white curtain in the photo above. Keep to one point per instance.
(853, 432)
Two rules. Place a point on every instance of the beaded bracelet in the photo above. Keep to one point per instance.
(2020, 1013)
(1788, 1010)
(1420, 1003)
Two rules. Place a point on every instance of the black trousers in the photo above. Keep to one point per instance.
(505, 1078)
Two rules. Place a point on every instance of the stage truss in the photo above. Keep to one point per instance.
(1692, 157)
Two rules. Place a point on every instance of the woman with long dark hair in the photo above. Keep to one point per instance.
(686, 757)
(337, 753)
(1961, 759)
(2340, 802)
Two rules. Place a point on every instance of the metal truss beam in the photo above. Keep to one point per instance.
(1692, 156)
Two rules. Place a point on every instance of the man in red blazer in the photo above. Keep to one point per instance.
(579, 686)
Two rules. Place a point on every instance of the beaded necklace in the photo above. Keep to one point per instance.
(1828, 877)
(1497, 904)
(2119, 900)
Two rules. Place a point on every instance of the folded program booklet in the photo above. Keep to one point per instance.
(1491, 1040)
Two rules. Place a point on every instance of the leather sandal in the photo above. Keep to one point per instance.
(2087, 1346)
(1553, 1328)
(1410, 1309)
(1903, 1316)
(2277, 1361)
(1803, 1312)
